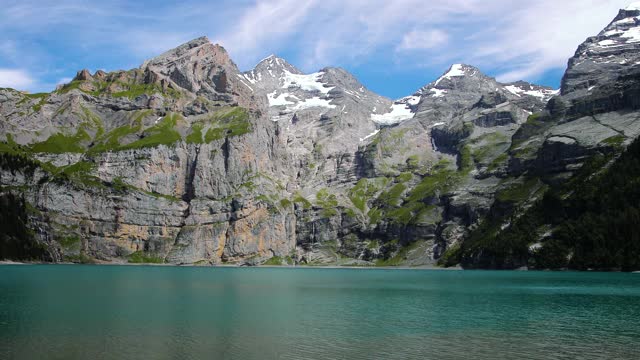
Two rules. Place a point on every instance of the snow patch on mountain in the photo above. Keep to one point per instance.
(286, 99)
(620, 32)
(370, 135)
(543, 94)
(400, 111)
(250, 79)
(292, 103)
(242, 80)
(625, 21)
(279, 100)
(411, 100)
(310, 82)
(632, 35)
(454, 71)
(607, 43)
(437, 93)
(314, 102)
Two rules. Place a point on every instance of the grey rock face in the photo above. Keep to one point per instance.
(601, 59)
(597, 107)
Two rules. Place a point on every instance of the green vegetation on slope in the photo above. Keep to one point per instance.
(299, 199)
(162, 133)
(441, 180)
(278, 261)
(365, 190)
(140, 257)
(593, 220)
(232, 122)
(111, 141)
(196, 134)
(328, 202)
(121, 88)
(134, 90)
(401, 203)
(37, 106)
(61, 143)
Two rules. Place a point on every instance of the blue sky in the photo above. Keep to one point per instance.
(393, 47)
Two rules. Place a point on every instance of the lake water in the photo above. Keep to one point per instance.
(136, 312)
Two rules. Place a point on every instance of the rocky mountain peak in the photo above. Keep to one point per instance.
(459, 77)
(269, 74)
(198, 50)
(342, 80)
(604, 57)
(276, 63)
(202, 68)
(455, 72)
(83, 74)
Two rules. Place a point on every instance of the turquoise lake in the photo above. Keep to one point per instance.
(144, 312)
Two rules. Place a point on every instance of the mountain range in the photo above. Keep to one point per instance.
(188, 160)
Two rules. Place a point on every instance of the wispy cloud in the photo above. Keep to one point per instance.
(15, 78)
(334, 30)
(423, 40)
(48, 40)
(515, 39)
(541, 36)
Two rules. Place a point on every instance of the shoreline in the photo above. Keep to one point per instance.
(334, 267)
(420, 267)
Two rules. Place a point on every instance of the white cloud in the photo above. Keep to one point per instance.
(15, 78)
(423, 39)
(329, 31)
(516, 39)
(268, 21)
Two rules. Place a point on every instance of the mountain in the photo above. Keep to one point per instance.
(187, 160)
(566, 156)
(324, 115)
(601, 59)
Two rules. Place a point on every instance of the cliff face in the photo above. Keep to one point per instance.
(169, 162)
(186, 160)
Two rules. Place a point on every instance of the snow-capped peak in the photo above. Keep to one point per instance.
(274, 62)
(623, 30)
(456, 70)
(270, 57)
(287, 88)
(274, 73)
(297, 92)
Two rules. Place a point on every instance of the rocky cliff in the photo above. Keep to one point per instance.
(187, 160)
